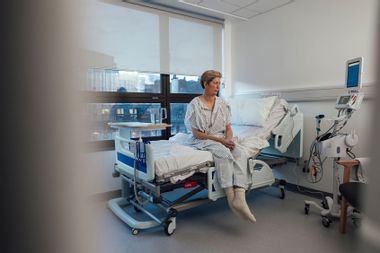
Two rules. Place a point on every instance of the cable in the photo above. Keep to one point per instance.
(141, 202)
(302, 191)
(316, 173)
(350, 153)
(337, 130)
(135, 165)
(314, 163)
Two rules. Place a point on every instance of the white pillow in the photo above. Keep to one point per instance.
(251, 111)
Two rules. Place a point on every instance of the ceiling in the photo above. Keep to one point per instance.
(221, 9)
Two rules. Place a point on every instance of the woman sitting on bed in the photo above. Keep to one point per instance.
(208, 117)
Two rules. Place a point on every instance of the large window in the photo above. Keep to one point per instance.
(177, 113)
(120, 105)
(110, 80)
(140, 60)
(185, 84)
(100, 114)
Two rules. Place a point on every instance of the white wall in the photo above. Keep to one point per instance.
(99, 168)
(305, 45)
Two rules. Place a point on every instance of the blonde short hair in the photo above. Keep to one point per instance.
(208, 76)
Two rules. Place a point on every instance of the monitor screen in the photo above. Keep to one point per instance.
(353, 75)
(353, 72)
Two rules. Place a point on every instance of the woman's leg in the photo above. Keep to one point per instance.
(224, 173)
(230, 194)
(240, 173)
(223, 160)
(225, 169)
(240, 167)
(239, 203)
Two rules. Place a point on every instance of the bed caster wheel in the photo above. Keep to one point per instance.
(307, 208)
(135, 231)
(282, 184)
(356, 222)
(326, 222)
(172, 212)
(324, 204)
(115, 174)
(169, 227)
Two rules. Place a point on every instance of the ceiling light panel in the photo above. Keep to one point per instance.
(220, 5)
(241, 3)
(265, 6)
(246, 13)
(194, 1)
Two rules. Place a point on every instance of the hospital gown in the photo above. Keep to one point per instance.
(231, 166)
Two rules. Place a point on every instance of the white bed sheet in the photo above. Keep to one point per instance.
(174, 156)
(171, 157)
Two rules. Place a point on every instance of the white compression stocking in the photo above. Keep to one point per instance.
(230, 194)
(240, 205)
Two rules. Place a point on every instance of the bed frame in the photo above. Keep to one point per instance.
(140, 190)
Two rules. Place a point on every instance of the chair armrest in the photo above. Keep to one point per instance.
(347, 164)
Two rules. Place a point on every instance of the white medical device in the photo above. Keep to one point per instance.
(333, 143)
(354, 69)
(349, 101)
(338, 145)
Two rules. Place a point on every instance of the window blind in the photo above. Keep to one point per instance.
(129, 37)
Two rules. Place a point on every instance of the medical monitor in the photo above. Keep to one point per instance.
(354, 68)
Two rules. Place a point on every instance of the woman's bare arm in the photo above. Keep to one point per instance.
(229, 133)
(203, 136)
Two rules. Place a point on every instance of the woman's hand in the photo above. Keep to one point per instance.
(229, 143)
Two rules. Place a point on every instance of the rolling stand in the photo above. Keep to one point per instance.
(334, 144)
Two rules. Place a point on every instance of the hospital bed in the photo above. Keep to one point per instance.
(150, 170)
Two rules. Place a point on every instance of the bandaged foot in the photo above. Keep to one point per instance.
(230, 194)
(240, 205)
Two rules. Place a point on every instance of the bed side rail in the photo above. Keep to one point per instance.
(288, 135)
(132, 154)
